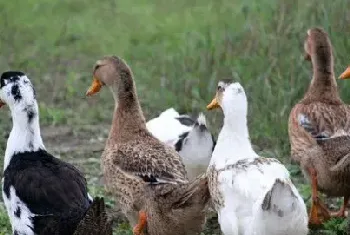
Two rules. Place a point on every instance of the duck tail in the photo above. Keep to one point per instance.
(195, 192)
(280, 199)
(282, 203)
(95, 221)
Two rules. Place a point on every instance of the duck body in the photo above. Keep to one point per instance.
(38, 189)
(254, 194)
(251, 194)
(323, 149)
(182, 207)
(41, 193)
(189, 137)
(147, 177)
(169, 125)
(321, 114)
(124, 175)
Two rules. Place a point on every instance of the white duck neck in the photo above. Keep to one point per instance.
(25, 134)
(233, 142)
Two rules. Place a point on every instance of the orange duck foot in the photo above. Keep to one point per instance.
(318, 213)
(138, 229)
(341, 212)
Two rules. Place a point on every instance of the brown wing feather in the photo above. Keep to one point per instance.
(330, 119)
(151, 160)
(96, 221)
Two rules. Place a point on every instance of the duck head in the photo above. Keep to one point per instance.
(111, 71)
(231, 97)
(16, 90)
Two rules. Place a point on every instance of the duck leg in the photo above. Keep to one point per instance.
(318, 213)
(138, 229)
(341, 212)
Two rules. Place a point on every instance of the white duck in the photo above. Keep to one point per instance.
(190, 137)
(252, 195)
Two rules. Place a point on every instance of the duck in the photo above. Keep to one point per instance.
(190, 137)
(252, 195)
(42, 194)
(138, 168)
(329, 115)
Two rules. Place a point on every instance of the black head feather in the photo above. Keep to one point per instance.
(13, 75)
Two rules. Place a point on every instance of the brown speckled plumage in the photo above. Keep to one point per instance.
(177, 209)
(133, 159)
(95, 221)
(328, 114)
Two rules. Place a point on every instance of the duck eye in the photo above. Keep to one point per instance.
(3, 82)
(221, 89)
(239, 90)
(97, 66)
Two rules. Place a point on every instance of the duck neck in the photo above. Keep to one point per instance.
(25, 134)
(128, 118)
(323, 86)
(233, 141)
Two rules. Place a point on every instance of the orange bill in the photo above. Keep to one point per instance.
(345, 74)
(213, 104)
(2, 103)
(95, 87)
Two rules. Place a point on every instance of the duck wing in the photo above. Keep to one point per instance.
(51, 189)
(151, 160)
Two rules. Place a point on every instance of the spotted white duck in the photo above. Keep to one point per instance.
(252, 195)
(190, 137)
(42, 194)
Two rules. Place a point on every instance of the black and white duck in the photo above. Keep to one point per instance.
(190, 137)
(42, 194)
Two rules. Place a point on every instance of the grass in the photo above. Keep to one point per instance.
(178, 51)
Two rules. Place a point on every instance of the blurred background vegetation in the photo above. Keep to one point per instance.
(178, 50)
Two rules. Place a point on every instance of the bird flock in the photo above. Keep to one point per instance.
(167, 173)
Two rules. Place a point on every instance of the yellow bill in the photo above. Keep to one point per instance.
(345, 74)
(213, 104)
(95, 87)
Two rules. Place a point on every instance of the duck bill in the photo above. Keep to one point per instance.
(213, 104)
(345, 74)
(2, 103)
(95, 87)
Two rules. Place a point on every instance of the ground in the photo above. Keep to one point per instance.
(178, 50)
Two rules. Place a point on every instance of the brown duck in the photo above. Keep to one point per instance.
(321, 114)
(147, 177)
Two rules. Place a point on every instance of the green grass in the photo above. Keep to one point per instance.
(178, 50)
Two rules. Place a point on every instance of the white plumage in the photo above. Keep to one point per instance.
(23, 224)
(167, 127)
(190, 137)
(252, 195)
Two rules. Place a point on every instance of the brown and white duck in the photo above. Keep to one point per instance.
(324, 111)
(144, 174)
